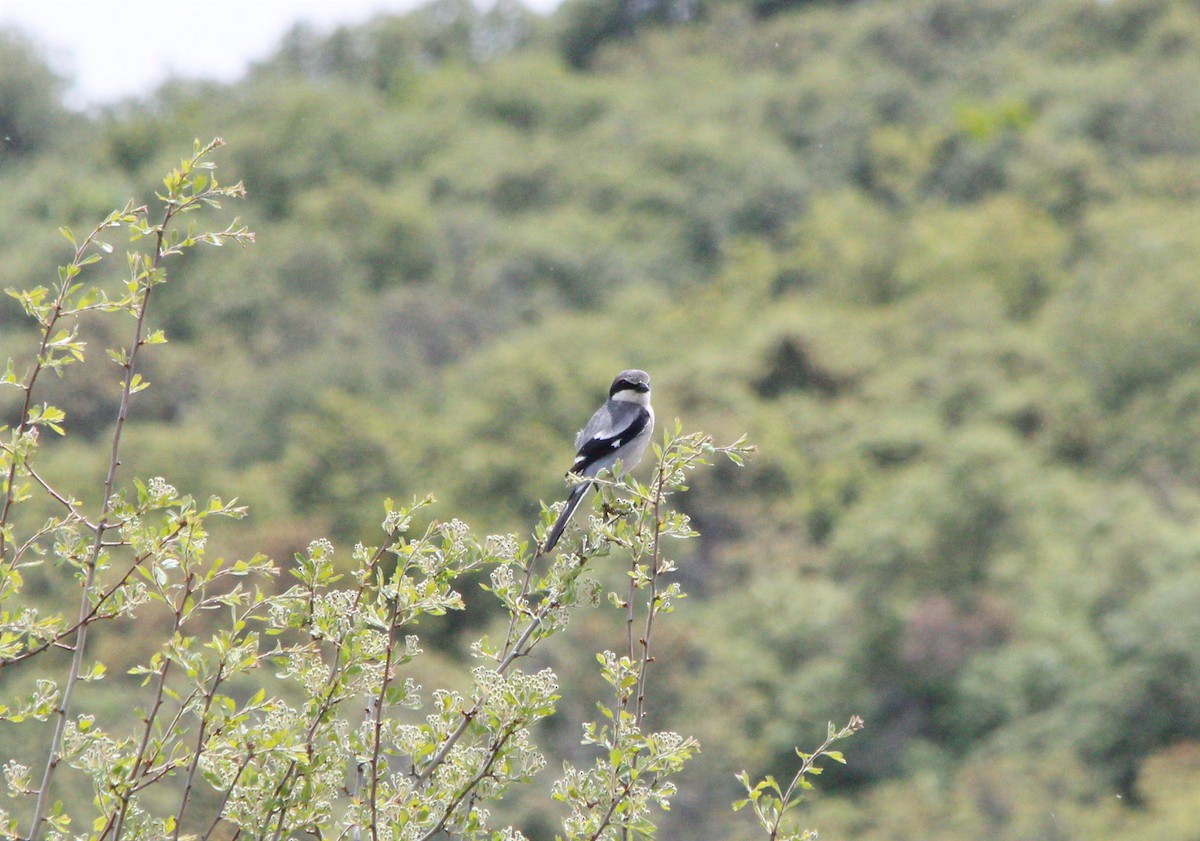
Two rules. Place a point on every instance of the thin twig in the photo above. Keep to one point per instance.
(102, 524)
(200, 737)
(229, 793)
(524, 594)
(202, 733)
(332, 682)
(469, 716)
(69, 504)
(484, 772)
(629, 602)
(327, 702)
(160, 689)
(612, 808)
(39, 363)
(378, 716)
(653, 605)
(806, 765)
(95, 610)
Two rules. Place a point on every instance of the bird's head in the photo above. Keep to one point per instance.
(632, 385)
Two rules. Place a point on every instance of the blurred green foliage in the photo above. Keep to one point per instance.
(937, 257)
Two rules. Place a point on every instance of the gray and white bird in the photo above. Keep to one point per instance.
(619, 431)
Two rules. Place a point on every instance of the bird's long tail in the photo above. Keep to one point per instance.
(560, 524)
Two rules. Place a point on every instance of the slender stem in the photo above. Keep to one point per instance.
(612, 808)
(95, 609)
(202, 733)
(195, 761)
(32, 540)
(102, 525)
(229, 793)
(525, 585)
(855, 724)
(332, 684)
(67, 503)
(327, 702)
(484, 772)
(39, 362)
(371, 566)
(378, 720)
(160, 689)
(469, 716)
(64, 289)
(127, 795)
(653, 605)
(629, 601)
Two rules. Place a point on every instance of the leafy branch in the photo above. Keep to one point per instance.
(634, 768)
(340, 638)
(771, 803)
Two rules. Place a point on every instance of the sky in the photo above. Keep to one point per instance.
(113, 50)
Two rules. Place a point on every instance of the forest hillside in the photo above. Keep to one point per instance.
(938, 259)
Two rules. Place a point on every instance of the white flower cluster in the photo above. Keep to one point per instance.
(160, 490)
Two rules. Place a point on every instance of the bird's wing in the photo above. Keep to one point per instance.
(615, 423)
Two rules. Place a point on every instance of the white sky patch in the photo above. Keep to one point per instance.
(110, 51)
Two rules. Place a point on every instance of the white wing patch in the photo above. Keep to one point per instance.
(615, 444)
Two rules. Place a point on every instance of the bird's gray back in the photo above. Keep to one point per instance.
(610, 418)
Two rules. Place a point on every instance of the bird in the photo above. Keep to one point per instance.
(618, 431)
